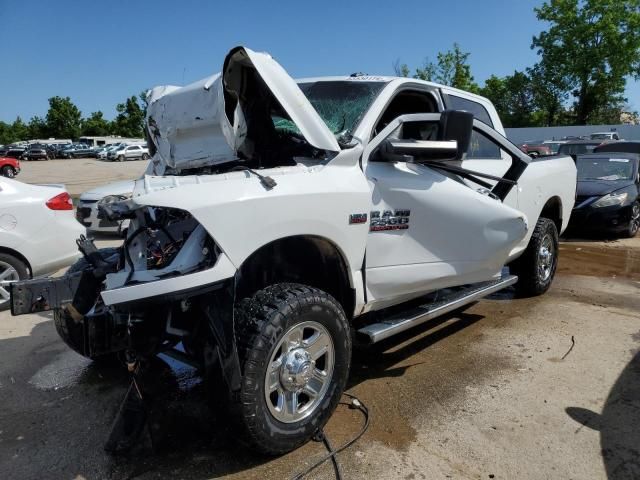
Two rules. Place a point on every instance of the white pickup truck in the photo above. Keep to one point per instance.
(279, 220)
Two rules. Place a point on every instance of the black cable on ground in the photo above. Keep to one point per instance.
(353, 404)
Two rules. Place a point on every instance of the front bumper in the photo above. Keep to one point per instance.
(611, 219)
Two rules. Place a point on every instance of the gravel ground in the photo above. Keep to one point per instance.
(542, 388)
(86, 173)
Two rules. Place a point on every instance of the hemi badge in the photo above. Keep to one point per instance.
(356, 218)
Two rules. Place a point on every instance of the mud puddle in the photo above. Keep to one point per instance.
(599, 261)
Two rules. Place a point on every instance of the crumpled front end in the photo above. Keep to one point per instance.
(166, 253)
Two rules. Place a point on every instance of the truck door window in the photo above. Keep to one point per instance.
(405, 102)
(480, 146)
(459, 103)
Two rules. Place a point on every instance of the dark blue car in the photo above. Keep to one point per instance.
(608, 193)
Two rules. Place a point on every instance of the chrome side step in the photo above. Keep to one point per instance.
(406, 320)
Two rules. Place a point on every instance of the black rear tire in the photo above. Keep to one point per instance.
(262, 322)
(535, 268)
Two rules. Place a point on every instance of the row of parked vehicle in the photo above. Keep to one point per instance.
(117, 152)
(568, 145)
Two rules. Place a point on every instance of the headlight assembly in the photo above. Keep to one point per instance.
(611, 200)
(114, 198)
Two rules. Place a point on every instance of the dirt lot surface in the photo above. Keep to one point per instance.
(542, 388)
(86, 173)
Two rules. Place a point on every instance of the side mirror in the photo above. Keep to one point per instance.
(457, 125)
(418, 150)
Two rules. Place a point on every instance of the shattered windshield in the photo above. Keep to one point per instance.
(341, 104)
(605, 169)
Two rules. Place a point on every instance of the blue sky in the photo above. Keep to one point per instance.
(98, 53)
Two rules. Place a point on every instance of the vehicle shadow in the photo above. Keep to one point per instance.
(187, 434)
(618, 424)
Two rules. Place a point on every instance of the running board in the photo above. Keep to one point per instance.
(406, 320)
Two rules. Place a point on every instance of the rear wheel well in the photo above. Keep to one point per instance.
(553, 211)
(19, 256)
(309, 260)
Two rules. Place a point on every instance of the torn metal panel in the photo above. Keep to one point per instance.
(225, 117)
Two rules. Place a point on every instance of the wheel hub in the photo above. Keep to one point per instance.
(545, 259)
(297, 370)
(299, 373)
(8, 275)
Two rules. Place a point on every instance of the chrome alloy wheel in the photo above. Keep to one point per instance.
(8, 275)
(546, 258)
(299, 372)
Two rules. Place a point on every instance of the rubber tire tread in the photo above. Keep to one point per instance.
(526, 268)
(260, 322)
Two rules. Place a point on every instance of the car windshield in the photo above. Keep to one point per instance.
(341, 104)
(605, 168)
(600, 136)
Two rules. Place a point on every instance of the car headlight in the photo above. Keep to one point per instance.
(114, 198)
(611, 200)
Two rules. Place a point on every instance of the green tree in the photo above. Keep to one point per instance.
(6, 133)
(595, 46)
(550, 93)
(19, 129)
(64, 119)
(451, 68)
(96, 125)
(37, 128)
(130, 119)
(513, 97)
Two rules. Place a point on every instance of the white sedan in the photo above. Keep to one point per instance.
(37, 232)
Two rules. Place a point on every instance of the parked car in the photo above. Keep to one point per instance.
(9, 167)
(554, 145)
(87, 209)
(36, 152)
(58, 148)
(608, 194)
(248, 234)
(77, 151)
(604, 136)
(623, 146)
(103, 154)
(536, 149)
(16, 153)
(128, 152)
(578, 147)
(37, 232)
(95, 151)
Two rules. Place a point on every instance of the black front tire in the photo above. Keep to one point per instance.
(634, 222)
(535, 269)
(8, 171)
(262, 322)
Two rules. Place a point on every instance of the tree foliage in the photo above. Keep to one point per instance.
(64, 119)
(96, 125)
(592, 46)
(130, 119)
(451, 68)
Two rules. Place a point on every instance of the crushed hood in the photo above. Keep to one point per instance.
(217, 119)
